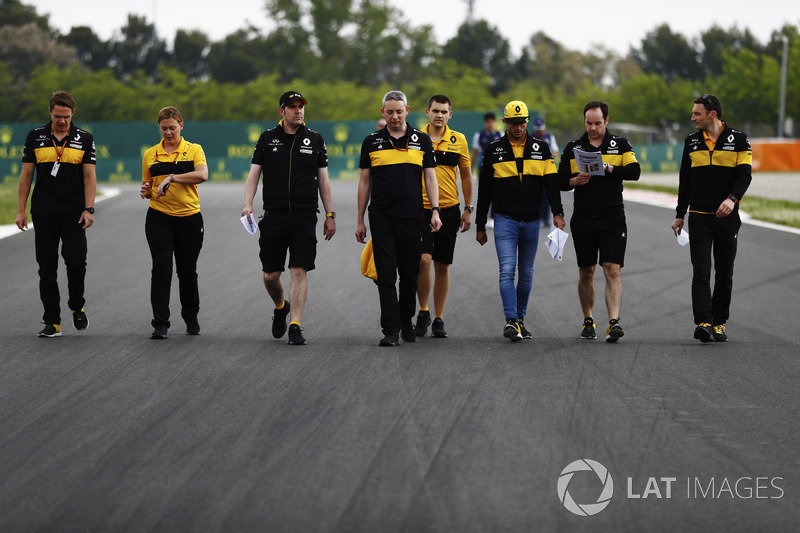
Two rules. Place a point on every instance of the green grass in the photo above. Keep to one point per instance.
(782, 212)
(775, 211)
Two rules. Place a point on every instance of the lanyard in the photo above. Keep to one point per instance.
(63, 147)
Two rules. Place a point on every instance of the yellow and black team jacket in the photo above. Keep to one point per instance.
(396, 170)
(181, 199)
(63, 192)
(514, 185)
(709, 174)
(290, 165)
(452, 153)
(602, 192)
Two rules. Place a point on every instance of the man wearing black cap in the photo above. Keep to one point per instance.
(294, 161)
(517, 170)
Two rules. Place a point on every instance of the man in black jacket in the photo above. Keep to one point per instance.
(294, 161)
(716, 170)
(598, 219)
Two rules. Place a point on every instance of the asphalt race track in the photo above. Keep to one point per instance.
(107, 430)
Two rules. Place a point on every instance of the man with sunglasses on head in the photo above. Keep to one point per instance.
(716, 170)
(394, 161)
(62, 207)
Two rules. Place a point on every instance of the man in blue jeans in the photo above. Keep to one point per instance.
(517, 170)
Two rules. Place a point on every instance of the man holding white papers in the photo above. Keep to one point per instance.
(598, 220)
(517, 170)
(716, 170)
(294, 161)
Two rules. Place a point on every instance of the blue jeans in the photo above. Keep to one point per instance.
(515, 240)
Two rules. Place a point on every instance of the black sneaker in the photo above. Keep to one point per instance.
(719, 333)
(437, 328)
(390, 339)
(192, 327)
(588, 330)
(79, 320)
(423, 321)
(51, 330)
(279, 323)
(296, 335)
(511, 331)
(159, 332)
(704, 332)
(522, 331)
(407, 333)
(614, 330)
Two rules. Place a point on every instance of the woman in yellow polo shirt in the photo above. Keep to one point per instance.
(171, 171)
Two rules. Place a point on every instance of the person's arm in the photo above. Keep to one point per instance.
(250, 188)
(89, 192)
(684, 185)
(432, 187)
(466, 190)
(198, 175)
(364, 190)
(329, 227)
(25, 182)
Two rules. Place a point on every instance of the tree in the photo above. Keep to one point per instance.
(136, 48)
(240, 57)
(91, 51)
(27, 45)
(716, 40)
(668, 55)
(189, 53)
(481, 46)
(15, 14)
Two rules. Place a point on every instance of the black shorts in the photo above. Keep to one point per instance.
(606, 233)
(295, 232)
(442, 244)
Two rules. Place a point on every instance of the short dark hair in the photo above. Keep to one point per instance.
(711, 103)
(440, 99)
(489, 116)
(62, 98)
(596, 103)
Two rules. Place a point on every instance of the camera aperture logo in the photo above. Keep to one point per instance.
(585, 509)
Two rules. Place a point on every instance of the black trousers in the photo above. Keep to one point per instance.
(50, 229)
(397, 245)
(709, 237)
(182, 237)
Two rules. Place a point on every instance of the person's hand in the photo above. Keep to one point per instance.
(87, 219)
(146, 190)
(162, 188)
(361, 233)
(466, 221)
(481, 237)
(580, 179)
(558, 221)
(22, 221)
(436, 222)
(677, 226)
(725, 208)
(329, 228)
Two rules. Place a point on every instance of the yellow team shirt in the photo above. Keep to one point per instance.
(452, 151)
(181, 199)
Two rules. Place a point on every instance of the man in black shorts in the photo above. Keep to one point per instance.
(290, 154)
(598, 219)
(452, 158)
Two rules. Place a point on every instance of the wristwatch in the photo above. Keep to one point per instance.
(733, 197)
(332, 214)
(90, 210)
(437, 208)
(469, 209)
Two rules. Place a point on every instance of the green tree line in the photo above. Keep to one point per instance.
(344, 54)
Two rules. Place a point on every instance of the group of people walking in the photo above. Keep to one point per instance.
(408, 187)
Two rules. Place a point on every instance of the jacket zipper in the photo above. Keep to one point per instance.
(289, 181)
